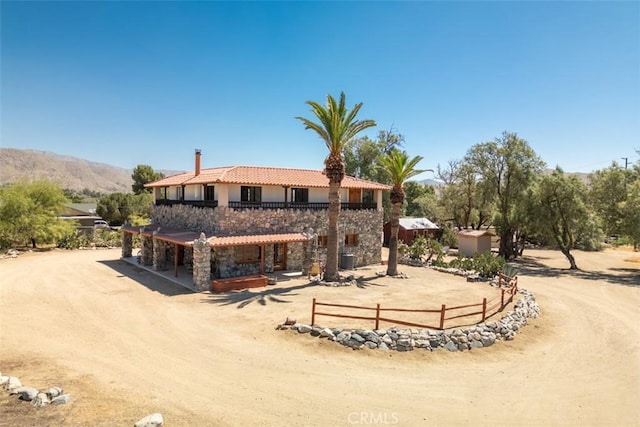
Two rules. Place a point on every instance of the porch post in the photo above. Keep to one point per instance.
(201, 264)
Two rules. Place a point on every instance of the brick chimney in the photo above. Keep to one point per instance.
(198, 154)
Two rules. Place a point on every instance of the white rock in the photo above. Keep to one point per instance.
(12, 383)
(26, 393)
(52, 392)
(65, 398)
(4, 379)
(153, 420)
(41, 400)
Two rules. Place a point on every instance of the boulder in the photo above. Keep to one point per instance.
(60, 400)
(25, 393)
(41, 400)
(12, 383)
(303, 329)
(326, 332)
(152, 420)
(52, 392)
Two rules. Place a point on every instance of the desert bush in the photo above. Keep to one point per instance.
(488, 265)
(107, 238)
(449, 237)
(74, 240)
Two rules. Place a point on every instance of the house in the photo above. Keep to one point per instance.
(84, 214)
(252, 220)
(471, 242)
(410, 228)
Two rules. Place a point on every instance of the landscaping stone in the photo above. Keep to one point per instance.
(52, 392)
(25, 393)
(41, 400)
(60, 400)
(12, 383)
(303, 329)
(152, 420)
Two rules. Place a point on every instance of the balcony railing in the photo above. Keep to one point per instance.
(266, 205)
(196, 203)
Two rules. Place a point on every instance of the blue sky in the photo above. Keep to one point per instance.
(130, 83)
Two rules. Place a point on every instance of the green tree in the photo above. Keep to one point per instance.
(336, 126)
(607, 193)
(117, 208)
(463, 199)
(399, 169)
(507, 167)
(143, 174)
(630, 210)
(29, 212)
(561, 210)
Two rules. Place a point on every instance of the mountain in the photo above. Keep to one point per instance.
(68, 172)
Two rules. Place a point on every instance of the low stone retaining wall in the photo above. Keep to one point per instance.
(460, 339)
(38, 398)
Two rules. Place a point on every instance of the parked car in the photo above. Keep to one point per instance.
(101, 223)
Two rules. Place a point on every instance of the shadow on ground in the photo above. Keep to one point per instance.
(277, 294)
(151, 281)
(618, 276)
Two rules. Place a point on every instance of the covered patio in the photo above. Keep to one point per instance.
(186, 256)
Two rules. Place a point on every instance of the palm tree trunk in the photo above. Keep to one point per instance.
(392, 266)
(331, 273)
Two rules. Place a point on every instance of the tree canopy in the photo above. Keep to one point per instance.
(29, 213)
(144, 174)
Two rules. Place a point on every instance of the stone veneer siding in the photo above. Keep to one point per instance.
(223, 221)
(201, 256)
(146, 250)
(127, 245)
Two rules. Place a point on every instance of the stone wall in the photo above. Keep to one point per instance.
(146, 250)
(127, 245)
(223, 221)
(201, 256)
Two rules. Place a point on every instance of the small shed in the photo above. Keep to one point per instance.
(410, 228)
(471, 242)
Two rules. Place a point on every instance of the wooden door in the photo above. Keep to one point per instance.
(354, 195)
(279, 256)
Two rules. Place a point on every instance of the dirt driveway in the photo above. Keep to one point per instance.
(126, 344)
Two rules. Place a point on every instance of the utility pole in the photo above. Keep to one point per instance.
(626, 161)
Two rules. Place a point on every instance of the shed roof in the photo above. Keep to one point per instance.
(410, 223)
(476, 233)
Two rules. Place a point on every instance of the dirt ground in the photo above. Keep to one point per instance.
(125, 344)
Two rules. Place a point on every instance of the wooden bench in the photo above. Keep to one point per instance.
(237, 283)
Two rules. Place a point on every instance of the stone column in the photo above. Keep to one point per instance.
(146, 256)
(127, 244)
(159, 254)
(201, 264)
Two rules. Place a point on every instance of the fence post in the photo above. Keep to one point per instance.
(484, 308)
(313, 312)
(378, 316)
(501, 298)
(500, 279)
(442, 312)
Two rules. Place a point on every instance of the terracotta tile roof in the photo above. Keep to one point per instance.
(256, 239)
(186, 238)
(259, 175)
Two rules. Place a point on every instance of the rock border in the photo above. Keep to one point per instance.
(481, 335)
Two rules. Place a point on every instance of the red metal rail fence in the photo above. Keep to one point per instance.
(508, 288)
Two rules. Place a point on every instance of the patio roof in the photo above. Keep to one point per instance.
(186, 237)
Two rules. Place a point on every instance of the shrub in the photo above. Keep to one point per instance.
(488, 265)
(75, 240)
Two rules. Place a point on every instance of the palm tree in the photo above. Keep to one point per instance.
(399, 169)
(336, 126)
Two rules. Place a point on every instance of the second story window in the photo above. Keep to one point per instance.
(300, 195)
(250, 194)
(209, 192)
(367, 197)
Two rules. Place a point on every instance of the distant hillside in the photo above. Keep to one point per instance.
(68, 172)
